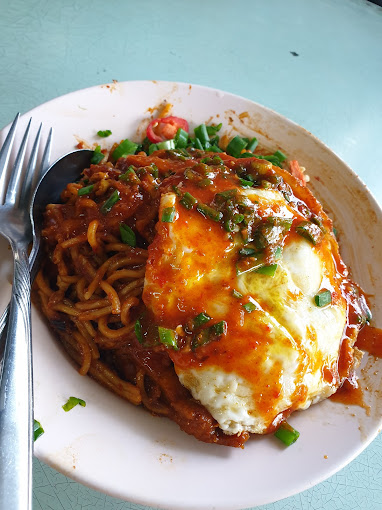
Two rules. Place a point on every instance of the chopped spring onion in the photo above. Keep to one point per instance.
(247, 252)
(220, 328)
(252, 145)
(166, 144)
(112, 200)
(204, 183)
(198, 144)
(237, 218)
(247, 155)
(323, 298)
(97, 156)
(104, 134)
(177, 191)
(168, 214)
(85, 191)
(287, 434)
(152, 148)
(310, 231)
(201, 134)
(127, 235)
(72, 402)
(225, 195)
(268, 270)
(245, 183)
(200, 319)
(181, 139)
(214, 148)
(206, 335)
(278, 252)
(209, 212)
(249, 307)
(37, 430)
(188, 201)
(212, 130)
(138, 331)
(125, 148)
(202, 338)
(237, 294)
(280, 156)
(130, 175)
(236, 145)
(168, 337)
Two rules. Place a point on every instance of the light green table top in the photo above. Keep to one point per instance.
(318, 63)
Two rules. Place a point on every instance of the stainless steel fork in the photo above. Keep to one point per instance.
(16, 395)
(39, 172)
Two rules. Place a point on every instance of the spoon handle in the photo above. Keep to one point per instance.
(16, 395)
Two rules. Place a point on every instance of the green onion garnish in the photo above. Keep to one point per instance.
(130, 175)
(252, 145)
(85, 191)
(104, 134)
(152, 148)
(138, 331)
(247, 155)
(247, 252)
(280, 156)
(125, 148)
(168, 214)
(268, 270)
(237, 294)
(245, 183)
(127, 235)
(237, 218)
(168, 337)
(188, 201)
(181, 139)
(223, 196)
(112, 200)
(287, 434)
(202, 338)
(214, 148)
(212, 130)
(201, 134)
(235, 146)
(37, 430)
(278, 252)
(198, 144)
(310, 231)
(209, 212)
(97, 156)
(249, 307)
(200, 319)
(220, 328)
(72, 402)
(323, 298)
(204, 183)
(166, 144)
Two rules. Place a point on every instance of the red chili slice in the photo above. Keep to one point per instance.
(165, 129)
(296, 171)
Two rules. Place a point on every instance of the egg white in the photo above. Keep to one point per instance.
(298, 329)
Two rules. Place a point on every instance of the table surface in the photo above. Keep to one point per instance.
(318, 63)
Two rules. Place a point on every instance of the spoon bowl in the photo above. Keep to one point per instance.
(66, 169)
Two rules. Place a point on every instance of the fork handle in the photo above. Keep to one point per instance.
(16, 394)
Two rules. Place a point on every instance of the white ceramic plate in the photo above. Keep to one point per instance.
(123, 450)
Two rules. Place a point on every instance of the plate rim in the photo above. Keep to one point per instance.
(294, 125)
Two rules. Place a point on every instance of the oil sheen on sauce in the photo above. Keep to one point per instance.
(211, 250)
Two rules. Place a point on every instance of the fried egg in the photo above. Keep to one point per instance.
(279, 351)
